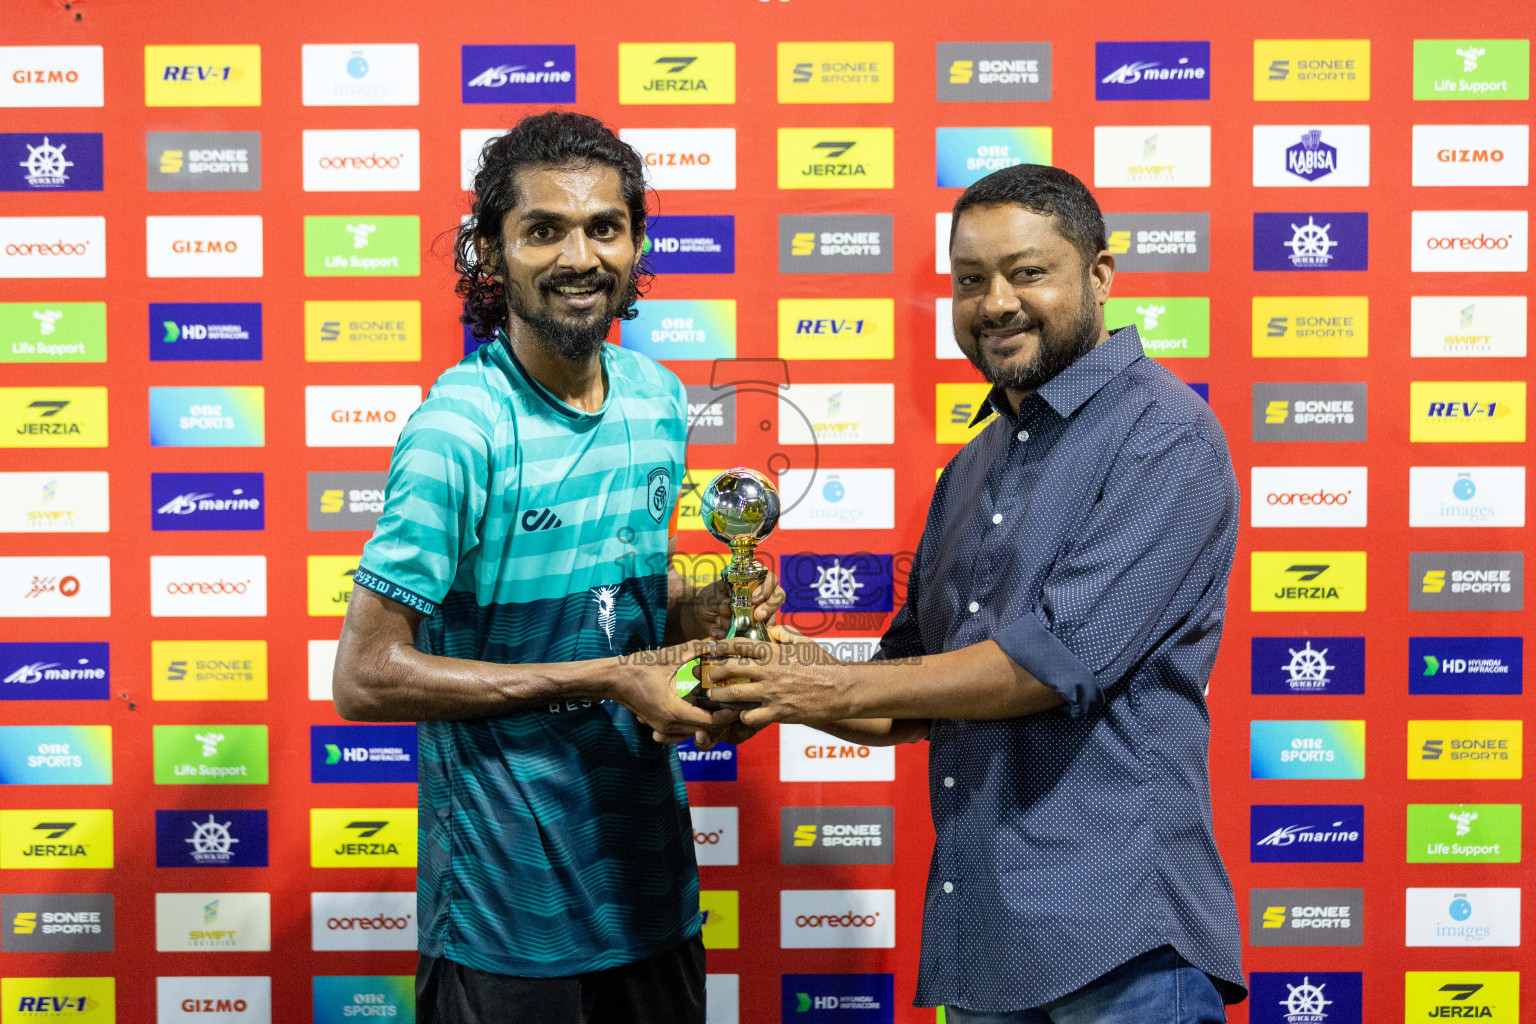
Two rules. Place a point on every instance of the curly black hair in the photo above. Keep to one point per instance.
(554, 138)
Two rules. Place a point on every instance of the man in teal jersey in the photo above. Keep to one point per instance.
(521, 555)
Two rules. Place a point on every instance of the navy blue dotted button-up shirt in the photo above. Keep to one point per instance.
(1090, 537)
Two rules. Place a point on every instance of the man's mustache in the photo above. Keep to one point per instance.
(1016, 323)
(598, 280)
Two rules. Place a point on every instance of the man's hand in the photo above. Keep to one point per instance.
(711, 605)
(643, 683)
(793, 681)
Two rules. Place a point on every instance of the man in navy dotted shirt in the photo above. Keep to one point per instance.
(1061, 621)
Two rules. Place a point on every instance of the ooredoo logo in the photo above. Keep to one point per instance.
(1309, 495)
(372, 160)
(715, 831)
(837, 919)
(208, 585)
(378, 922)
(1470, 240)
(363, 920)
(364, 417)
(32, 247)
(203, 246)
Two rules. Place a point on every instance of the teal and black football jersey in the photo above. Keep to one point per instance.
(556, 840)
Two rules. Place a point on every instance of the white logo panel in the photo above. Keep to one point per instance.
(1466, 496)
(371, 160)
(362, 920)
(199, 922)
(69, 586)
(716, 834)
(1468, 325)
(33, 247)
(837, 919)
(810, 755)
(838, 499)
(362, 75)
(941, 225)
(722, 999)
(838, 414)
(1454, 241)
(1308, 495)
(1152, 156)
(471, 145)
(51, 76)
(1472, 154)
(370, 416)
(1306, 155)
(38, 503)
(202, 247)
(1463, 917)
(944, 344)
(686, 158)
(322, 664)
(199, 586)
(213, 1000)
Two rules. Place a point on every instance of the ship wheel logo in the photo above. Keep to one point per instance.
(1305, 1003)
(211, 841)
(1308, 669)
(1310, 245)
(45, 165)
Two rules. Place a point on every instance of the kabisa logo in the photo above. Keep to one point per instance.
(192, 922)
(1317, 496)
(345, 501)
(1284, 581)
(362, 753)
(211, 839)
(56, 923)
(837, 583)
(1464, 833)
(56, 839)
(1478, 241)
(1310, 997)
(51, 76)
(207, 501)
(1471, 154)
(1311, 69)
(837, 919)
(212, 417)
(834, 998)
(1317, 664)
(363, 920)
(837, 158)
(966, 155)
(1311, 155)
(50, 1000)
(518, 74)
(1465, 664)
(678, 244)
(340, 999)
(1311, 241)
(837, 328)
(836, 835)
(361, 75)
(1464, 749)
(1467, 410)
(362, 160)
(1463, 917)
(210, 754)
(717, 764)
(342, 837)
(37, 247)
(677, 72)
(203, 161)
(1306, 917)
(1329, 749)
(1466, 581)
(1168, 327)
(835, 244)
(51, 162)
(1306, 834)
(202, 76)
(53, 332)
(55, 671)
(203, 331)
(362, 246)
(836, 72)
(56, 755)
(1311, 158)
(999, 72)
(1305, 326)
(1309, 412)
(682, 329)
(1471, 69)
(686, 158)
(1433, 996)
(1152, 71)
(1159, 241)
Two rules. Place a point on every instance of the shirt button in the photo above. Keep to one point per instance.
(974, 606)
(949, 782)
(949, 886)
(997, 517)
(1022, 435)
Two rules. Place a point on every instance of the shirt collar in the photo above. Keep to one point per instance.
(1071, 388)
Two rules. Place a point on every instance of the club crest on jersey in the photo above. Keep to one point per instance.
(656, 486)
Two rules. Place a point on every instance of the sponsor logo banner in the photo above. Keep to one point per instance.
(210, 839)
(837, 918)
(1298, 581)
(1311, 997)
(208, 669)
(361, 75)
(204, 331)
(716, 835)
(358, 416)
(966, 155)
(1306, 917)
(1311, 69)
(955, 406)
(1487, 325)
(330, 583)
(1467, 410)
(1311, 327)
(837, 583)
(1308, 495)
(835, 243)
(1463, 917)
(838, 414)
(718, 764)
(1471, 69)
(198, 922)
(677, 73)
(1311, 664)
(1169, 327)
(1471, 154)
(345, 501)
(362, 920)
(1466, 496)
(1465, 664)
(1464, 833)
(53, 332)
(202, 76)
(55, 671)
(688, 512)
(207, 501)
(1309, 412)
(837, 158)
(70, 586)
(50, 162)
(686, 158)
(56, 923)
(711, 415)
(472, 142)
(56, 755)
(321, 664)
(1454, 241)
(1433, 996)
(77, 1000)
(1152, 71)
(723, 994)
(1311, 241)
(1464, 749)
(362, 332)
(838, 998)
(1332, 749)
(202, 161)
(837, 328)
(56, 839)
(682, 329)
(362, 160)
(214, 1000)
(36, 247)
(203, 246)
(1151, 156)
(1159, 241)
(691, 245)
(807, 755)
(206, 755)
(1466, 580)
(1298, 155)
(994, 72)
(210, 417)
(1306, 833)
(719, 909)
(345, 837)
(518, 74)
(39, 503)
(342, 999)
(362, 753)
(836, 72)
(51, 76)
(837, 835)
(837, 499)
(362, 246)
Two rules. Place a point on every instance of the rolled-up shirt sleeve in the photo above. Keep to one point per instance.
(1127, 581)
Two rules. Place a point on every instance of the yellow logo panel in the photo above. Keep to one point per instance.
(1464, 749)
(56, 839)
(1311, 69)
(330, 583)
(1308, 581)
(689, 495)
(955, 405)
(703, 569)
(344, 837)
(208, 669)
(1466, 410)
(837, 157)
(722, 920)
(202, 76)
(362, 332)
(836, 72)
(837, 328)
(53, 417)
(1431, 997)
(58, 1000)
(677, 72)
(1310, 327)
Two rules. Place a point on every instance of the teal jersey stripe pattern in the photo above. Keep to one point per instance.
(556, 840)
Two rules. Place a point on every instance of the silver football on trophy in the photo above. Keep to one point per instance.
(740, 503)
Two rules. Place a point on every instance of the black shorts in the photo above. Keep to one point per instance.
(665, 989)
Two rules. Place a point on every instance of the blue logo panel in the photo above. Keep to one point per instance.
(210, 417)
(362, 753)
(207, 501)
(838, 998)
(717, 764)
(1308, 664)
(50, 162)
(55, 755)
(519, 74)
(1311, 241)
(204, 331)
(55, 671)
(210, 839)
(343, 999)
(691, 245)
(837, 583)
(1304, 997)
(1306, 833)
(1152, 71)
(1465, 664)
(1203, 390)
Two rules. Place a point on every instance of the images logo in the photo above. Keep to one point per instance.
(1471, 69)
(835, 243)
(52, 162)
(1306, 833)
(838, 499)
(344, 837)
(193, 922)
(966, 155)
(837, 583)
(836, 72)
(1464, 749)
(1464, 833)
(1310, 241)
(995, 72)
(1309, 496)
(359, 416)
(1471, 154)
(203, 161)
(56, 755)
(72, 586)
(1308, 327)
(56, 923)
(1306, 917)
(677, 72)
(1307, 750)
(837, 328)
(1293, 581)
(210, 754)
(837, 919)
(1466, 581)
(1300, 155)
(362, 160)
(344, 999)
(51, 76)
(1159, 241)
(37, 247)
(806, 755)
(216, 417)
(77, 1000)
(1313, 997)
(1463, 917)
(54, 671)
(210, 839)
(362, 246)
(362, 753)
(831, 998)
(1311, 69)
(1152, 71)
(686, 158)
(1169, 327)
(1466, 496)
(207, 501)
(1453, 241)
(1163, 156)
(1309, 412)
(361, 75)
(1319, 664)
(1433, 996)
(836, 835)
(53, 332)
(202, 76)
(682, 329)
(518, 74)
(718, 764)
(837, 157)
(838, 414)
(56, 839)
(691, 245)
(204, 331)
(208, 669)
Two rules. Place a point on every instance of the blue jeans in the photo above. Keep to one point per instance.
(1159, 987)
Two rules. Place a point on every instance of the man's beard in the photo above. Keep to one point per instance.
(575, 341)
(1058, 349)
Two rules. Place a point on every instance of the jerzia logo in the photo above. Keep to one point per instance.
(677, 72)
(836, 158)
(378, 837)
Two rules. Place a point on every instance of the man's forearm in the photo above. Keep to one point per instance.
(977, 682)
(878, 732)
